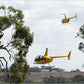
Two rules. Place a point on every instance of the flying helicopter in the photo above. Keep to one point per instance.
(66, 20)
(45, 59)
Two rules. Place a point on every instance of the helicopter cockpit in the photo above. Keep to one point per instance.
(38, 58)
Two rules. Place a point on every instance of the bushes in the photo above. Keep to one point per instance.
(3, 79)
(78, 78)
(75, 79)
(53, 79)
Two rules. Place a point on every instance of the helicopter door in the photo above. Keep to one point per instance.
(43, 58)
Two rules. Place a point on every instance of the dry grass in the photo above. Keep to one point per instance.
(2, 74)
(38, 73)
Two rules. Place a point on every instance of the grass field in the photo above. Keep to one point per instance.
(2, 74)
(38, 76)
(39, 73)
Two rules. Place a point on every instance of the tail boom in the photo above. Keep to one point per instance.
(74, 16)
(62, 56)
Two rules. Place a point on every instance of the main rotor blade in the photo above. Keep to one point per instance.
(46, 47)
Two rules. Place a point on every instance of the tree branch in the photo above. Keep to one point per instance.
(1, 62)
(9, 43)
(1, 34)
(6, 66)
(1, 69)
(1, 47)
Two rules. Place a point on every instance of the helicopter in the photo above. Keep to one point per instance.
(66, 20)
(45, 59)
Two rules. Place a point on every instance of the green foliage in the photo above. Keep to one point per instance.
(23, 33)
(18, 71)
(53, 79)
(3, 78)
(19, 66)
(4, 23)
(81, 35)
(77, 70)
(16, 78)
(75, 79)
(21, 40)
(2, 7)
(78, 78)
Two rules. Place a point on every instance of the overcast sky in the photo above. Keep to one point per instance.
(44, 19)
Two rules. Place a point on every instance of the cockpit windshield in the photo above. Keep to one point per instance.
(38, 58)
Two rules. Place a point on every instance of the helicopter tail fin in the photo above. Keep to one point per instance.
(69, 55)
(75, 16)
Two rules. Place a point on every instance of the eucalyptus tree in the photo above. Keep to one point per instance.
(19, 43)
(81, 35)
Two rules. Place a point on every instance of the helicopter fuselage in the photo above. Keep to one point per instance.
(43, 59)
(65, 20)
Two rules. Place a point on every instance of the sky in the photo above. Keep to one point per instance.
(44, 19)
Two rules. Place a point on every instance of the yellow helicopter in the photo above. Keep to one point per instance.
(45, 59)
(66, 20)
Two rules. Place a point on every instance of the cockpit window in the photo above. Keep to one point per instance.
(63, 20)
(38, 58)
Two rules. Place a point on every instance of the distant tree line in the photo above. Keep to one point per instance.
(34, 69)
(37, 69)
(77, 70)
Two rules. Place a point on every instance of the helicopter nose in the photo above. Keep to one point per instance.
(63, 21)
(35, 60)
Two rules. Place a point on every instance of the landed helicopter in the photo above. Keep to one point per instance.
(45, 59)
(66, 20)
